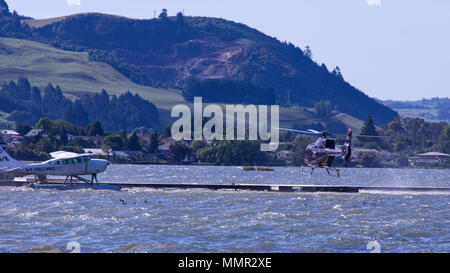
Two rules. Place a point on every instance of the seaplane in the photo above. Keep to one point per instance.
(68, 164)
(322, 152)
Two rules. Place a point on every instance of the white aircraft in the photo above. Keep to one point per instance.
(63, 164)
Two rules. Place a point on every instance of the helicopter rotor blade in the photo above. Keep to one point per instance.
(369, 136)
(298, 131)
(314, 131)
(343, 135)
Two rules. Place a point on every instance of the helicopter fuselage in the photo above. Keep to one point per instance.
(320, 157)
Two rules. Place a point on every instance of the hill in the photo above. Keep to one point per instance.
(170, 51)
(434, 109)
(159, 58)
(72, 71)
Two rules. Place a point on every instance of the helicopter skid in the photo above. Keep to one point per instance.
(326, 168)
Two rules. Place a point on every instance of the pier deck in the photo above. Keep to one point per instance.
(58, 184)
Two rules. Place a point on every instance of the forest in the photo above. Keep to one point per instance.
(27, 104)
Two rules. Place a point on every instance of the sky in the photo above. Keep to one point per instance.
(389, 49)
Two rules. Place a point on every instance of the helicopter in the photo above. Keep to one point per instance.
(322, 152)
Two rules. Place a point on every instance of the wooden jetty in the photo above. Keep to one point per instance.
(58, 184)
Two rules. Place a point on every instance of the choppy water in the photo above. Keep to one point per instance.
(227, 221)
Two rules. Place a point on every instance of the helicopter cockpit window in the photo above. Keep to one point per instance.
(320, 143)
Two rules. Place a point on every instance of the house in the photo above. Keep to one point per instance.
(37, 132)
(357, 152)
(8, 135)
(97, 140)
(164, 149)
(388, 156)
(430, 158)
(151, 156)
(121, 155)
(283, 155)
(133, 154)
(70, 137)
(146, 137)
(427, 159)
(15, 141)
(95, 151)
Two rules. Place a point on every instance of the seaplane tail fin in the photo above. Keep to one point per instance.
(7, 163)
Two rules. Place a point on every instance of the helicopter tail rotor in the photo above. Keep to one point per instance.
(347, 147)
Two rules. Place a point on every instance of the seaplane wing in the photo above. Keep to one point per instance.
(66, 155)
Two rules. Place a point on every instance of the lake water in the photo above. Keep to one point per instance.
(150, 220)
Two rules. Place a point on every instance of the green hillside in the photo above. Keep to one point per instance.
(72, 71)
(171, 51)
(160, 58)
(75, 74)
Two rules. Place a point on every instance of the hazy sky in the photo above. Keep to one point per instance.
(390, 49)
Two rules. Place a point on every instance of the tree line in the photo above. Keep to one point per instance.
(27, 104)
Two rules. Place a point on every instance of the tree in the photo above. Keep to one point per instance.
(307, 52)
(45, 124)
(180, 18)
(133, 143)
(22, 129)
(4, 9)
(199, 144)
(78, 141)
(153, 147)
(114, 142)
(177, 152)
(95, 129)
(444, 141)
(163, 14)
(443, 111)
(337, 72)
(45, 145)
(370, 160)
(323, 108)
(76, 114)
(36, 94)
(368, 128)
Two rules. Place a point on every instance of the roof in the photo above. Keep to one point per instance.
(35, 132)
(121, 153)
(435, 154)
(9, 132)
(94, 151)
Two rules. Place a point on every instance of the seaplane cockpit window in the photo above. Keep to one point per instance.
(57, 162)
(76, 160)
(65, 161)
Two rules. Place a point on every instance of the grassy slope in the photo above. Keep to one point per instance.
(72, 71)
(75, 73)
